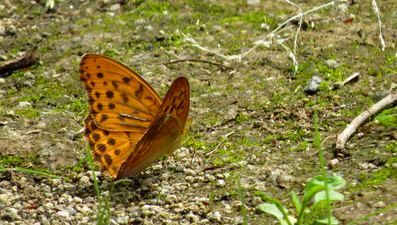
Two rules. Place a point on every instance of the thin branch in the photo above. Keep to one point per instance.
(197, 45)
(360, 119)
(352, 78)
(267, 40)
(275, 31)
(197, 60)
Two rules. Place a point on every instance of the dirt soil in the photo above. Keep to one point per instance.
(250, 125)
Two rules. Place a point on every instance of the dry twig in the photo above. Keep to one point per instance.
(360, 119)
(197, 60)
(352, 78)
(28, 59)
(267, 40)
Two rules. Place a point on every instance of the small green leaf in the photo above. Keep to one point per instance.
(285, 222)
(310, 193)
(316, 182)
(334, 182)
(333, 196)
(324, 220)
(272, 210)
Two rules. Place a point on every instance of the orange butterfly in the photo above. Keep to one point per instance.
(128, 127)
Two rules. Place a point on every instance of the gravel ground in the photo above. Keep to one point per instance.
(250, 127)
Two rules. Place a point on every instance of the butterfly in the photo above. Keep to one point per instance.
(128, 126)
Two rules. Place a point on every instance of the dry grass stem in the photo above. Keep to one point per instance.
(268, 39)
(377, 12)
(224, 138)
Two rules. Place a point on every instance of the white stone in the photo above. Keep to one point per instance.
(85, 210)
(115, 7)
(24, 104)
(85, 180)
(333, 162)
(63, 213)
(190, 172)
(48, 205)
(122, 220)
(220, 183)
(4, 198)
(189, 179)
(13, 213)
(253, 2)
(215, 216)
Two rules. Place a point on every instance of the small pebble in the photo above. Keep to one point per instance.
(331, 63)
(333, 162)
(313, 85)
(220, 183)
(24, 104)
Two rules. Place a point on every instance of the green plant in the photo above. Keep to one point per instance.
(319, 193)
(315, 195)
(103, 216)
(103, 199)
(243, 208)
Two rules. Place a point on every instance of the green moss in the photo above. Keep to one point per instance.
(153, 7)
(391, 64)
(11, 160)
(207, 8)
(28, 112)
(332, 74)
(269, 139)
(79, 166)
(257, 17)
(224, 157)
(249, 142)
(241, 118)
(293, 135)
(302, 146)
(111, 53)
(232, 150)
(392, 147)
(213, 120)
(377, 177)
(196, 143)
(388, 118)
(77, 106)
(14, 161)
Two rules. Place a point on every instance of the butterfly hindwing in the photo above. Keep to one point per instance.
(110, 148)
(163, 136)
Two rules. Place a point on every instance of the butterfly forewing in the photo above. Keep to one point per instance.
(163, 136)
(122, 108)
(119, 99)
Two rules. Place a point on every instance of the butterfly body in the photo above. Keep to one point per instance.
(128, 126)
